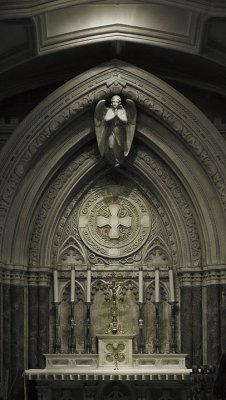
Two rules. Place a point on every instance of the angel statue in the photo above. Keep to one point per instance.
(115, 127)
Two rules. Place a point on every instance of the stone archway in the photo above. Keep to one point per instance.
(177, 159)
(56, 116)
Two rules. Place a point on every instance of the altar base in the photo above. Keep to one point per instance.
(86, 367)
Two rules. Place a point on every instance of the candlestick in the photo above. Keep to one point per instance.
(171, 285)
(157, 341)
(57, 341)
(88, 287)
(173, 341)
(72, 342)
(55, 286)
(141, 339)
(72, 284)
(88, 338)
(156, 285)
(140, 285)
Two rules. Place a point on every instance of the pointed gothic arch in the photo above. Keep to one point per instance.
(176, 162)
(61, 129)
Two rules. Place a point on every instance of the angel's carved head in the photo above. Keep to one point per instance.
(116, 101)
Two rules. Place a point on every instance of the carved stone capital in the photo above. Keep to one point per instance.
(208, 275)
(214, 275)
(23, 276)
(190, 278)
(39, 279)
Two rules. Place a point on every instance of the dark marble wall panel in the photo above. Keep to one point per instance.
(17, 340)
(186, 323)
(213, 323)
(223, 317)
(43, 324)
(32, 327)
(197, 325)
(1, 333)
(6, 332)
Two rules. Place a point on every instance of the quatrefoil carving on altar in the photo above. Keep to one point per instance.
(115, 353)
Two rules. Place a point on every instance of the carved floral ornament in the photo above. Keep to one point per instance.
(80, 94)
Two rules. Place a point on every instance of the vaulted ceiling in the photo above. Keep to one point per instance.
(47, 43)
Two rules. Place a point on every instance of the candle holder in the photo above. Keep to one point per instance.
(72, 345)
(114, 309)
(140, 284)
(88, 285)
(157, 339)
(141, 341)
(88, 338)
(173, 342)
(57, 339)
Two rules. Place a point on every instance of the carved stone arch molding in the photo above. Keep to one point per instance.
(56, 132)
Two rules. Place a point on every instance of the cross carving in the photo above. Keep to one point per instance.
(114, 221)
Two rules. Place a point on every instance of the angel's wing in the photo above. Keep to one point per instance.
(100, 125)
(131, 112)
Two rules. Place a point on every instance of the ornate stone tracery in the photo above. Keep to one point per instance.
(181, 199)
(102, 259)
(164, 176)
(144, 91)
(53, 191)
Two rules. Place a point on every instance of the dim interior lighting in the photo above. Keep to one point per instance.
(194, 369)
(203, 369)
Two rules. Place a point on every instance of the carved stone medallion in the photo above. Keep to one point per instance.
(114, 221)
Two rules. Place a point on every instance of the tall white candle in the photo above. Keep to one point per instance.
(157, 285)
(88, 286)
(140, 285)
(72, 284)
(171, 286)
(55, 286)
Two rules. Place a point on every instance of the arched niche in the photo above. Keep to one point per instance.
(185, 243)
(59, 136)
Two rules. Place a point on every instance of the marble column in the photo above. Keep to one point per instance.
(43, 323)
(186, 322)
(17, 339)
(213, 323)
(223, 318)
(6, 332)
(197, 325)
(1, 329)
(32, 326)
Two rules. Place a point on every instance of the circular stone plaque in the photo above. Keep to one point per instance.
(114, 221)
